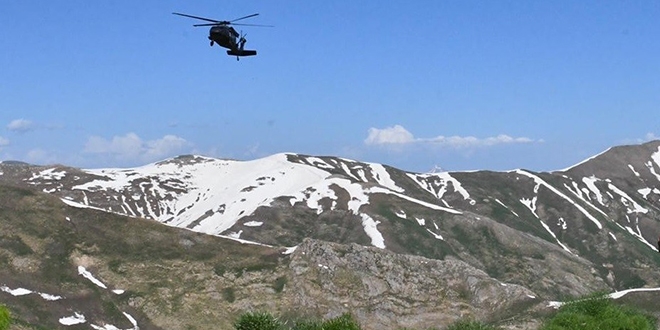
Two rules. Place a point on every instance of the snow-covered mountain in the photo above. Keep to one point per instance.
(212, 195)
(282, 199)
(587, 228)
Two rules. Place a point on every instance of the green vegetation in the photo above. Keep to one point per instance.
(598, 312)
(5, 319)
(33, 226)
(470, 325)
(257, 321)
(279, 284)
(49, 236)
(343, 322)
(266, 321)
(594, 312)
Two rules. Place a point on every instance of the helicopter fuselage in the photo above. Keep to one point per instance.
(226, 36)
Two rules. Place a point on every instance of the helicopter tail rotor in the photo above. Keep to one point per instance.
(241, 41)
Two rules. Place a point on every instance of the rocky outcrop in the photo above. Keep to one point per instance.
(385, 290)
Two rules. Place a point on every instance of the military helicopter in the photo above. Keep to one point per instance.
(226, 36)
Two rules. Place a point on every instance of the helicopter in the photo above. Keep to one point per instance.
(223, 34)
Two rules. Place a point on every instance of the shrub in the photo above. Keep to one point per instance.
(279, 284)
(343, 322)
(257, 321)
(470, 325)
(5, 319)
(308, 325)
(598, 312)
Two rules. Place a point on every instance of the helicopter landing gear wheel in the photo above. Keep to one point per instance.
(211, 43)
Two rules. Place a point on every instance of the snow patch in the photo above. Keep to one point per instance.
(633, 207)
(656, 158)
(49, 174)
(253, 224)
(555, 237)
(506, 207)
(444, 179)
(555, 304)
(619, 294)
(437, 236)
(633, 170)
(290, 250)
(49, 297)
(531, 204)
(243, 241)
(539, 181)
(645, 192)
(383, 177)
(414, 200)
(131, 319)
(369, 225)
(16, 292)
(82, 271)
(77, 318)
(23, 292)
(612, 235)
(562, 223)
(590, 182)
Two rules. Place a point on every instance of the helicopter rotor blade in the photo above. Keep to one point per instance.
(197, 17)
(251, 25)
(244, 17)
(212, 24)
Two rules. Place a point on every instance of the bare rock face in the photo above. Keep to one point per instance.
(385, 290)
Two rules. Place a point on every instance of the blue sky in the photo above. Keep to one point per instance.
(462, 85)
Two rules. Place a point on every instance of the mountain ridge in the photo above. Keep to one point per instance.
(557, 234)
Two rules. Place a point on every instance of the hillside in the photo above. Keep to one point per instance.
(495, 245)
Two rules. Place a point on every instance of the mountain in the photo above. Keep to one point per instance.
(496, 242)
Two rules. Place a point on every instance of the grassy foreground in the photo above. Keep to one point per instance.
(598, 312)
(4, 318)
(595, 312)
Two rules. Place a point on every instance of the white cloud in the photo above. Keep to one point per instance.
(166, 146)
(129, 145)
(398, 135)
(20, 125)
(460, 142)
(132, 147)
(651, 137)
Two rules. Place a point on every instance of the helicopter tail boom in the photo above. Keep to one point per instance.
(239, 52)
